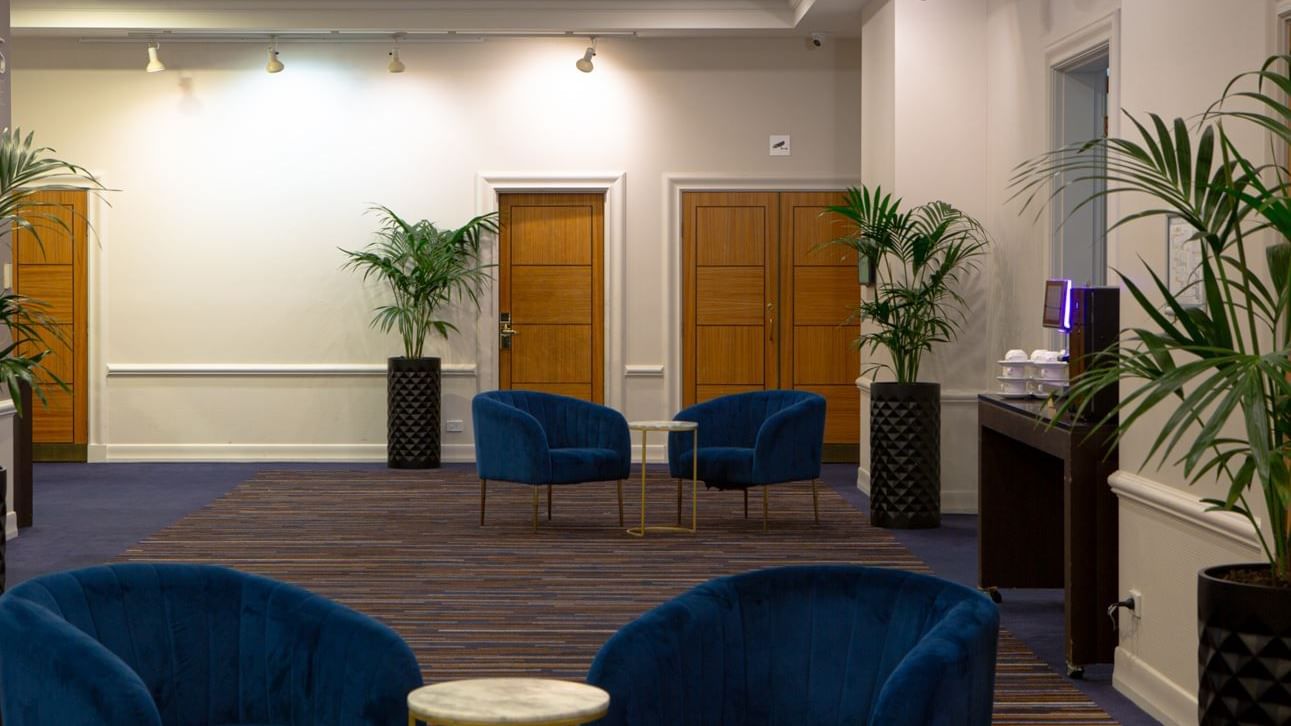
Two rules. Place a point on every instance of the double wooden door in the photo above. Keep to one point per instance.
(550, 293)
(765, 306)
(52, 269)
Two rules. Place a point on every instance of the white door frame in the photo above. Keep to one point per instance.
(614, 185)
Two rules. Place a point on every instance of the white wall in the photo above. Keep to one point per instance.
(238, 186)
(1168, 56)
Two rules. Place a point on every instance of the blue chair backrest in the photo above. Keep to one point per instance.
(211, 645)
(744, 413)
(800, 645)
(564, 419)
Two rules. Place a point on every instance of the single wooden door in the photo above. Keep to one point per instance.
(820, 291)
(551, 260)
(730, 295)
(52, 269)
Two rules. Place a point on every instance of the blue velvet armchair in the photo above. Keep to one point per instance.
(542, 439)
(811, 646)
(753, 439)
(193, 645)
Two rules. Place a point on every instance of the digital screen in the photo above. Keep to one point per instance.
(1057, 304)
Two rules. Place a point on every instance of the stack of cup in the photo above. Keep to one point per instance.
(1015, 373)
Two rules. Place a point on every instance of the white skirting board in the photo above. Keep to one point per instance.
(1151, 691)
(450, 453)
(958, 448)
(7, 413)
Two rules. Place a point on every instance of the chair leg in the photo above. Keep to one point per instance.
(535, 509)
(620, 502)
(815, 501)
(764, 507)
(548, 502)
(746, 503)
(678, 502)
(484, 483)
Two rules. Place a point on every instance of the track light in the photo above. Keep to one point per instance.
(274, 65)
(396, 65)
(154, 62)
(584, 64)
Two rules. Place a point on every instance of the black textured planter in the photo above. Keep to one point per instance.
(412, 413)
(1245, 650)
(905, 455)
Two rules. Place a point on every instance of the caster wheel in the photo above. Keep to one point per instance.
(994, 594)
(1075, 671)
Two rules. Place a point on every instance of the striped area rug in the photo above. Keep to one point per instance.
(506, 600)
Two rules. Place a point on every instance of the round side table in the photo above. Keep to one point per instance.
(645, 427)
(507, 702)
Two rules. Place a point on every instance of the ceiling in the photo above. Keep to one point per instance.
(121, 18)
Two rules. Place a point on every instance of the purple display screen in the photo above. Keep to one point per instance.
(1057, 304)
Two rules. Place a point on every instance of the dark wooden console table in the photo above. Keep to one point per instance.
(1047, 516)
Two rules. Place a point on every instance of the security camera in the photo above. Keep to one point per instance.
(817, 40)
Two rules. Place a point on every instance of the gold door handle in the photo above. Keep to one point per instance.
(771, 320)
(505, 331)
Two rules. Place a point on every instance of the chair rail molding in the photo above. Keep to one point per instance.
(489, 184)
(265, 370)
(1182, 506)
(674, 185)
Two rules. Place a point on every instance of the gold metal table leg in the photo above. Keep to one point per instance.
(548, 502)
(535, 509)
(694, 480)
(484, 485)
(815, 501)
(764, 507)
(620, 488)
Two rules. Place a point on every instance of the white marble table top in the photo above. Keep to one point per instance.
(499, 701)
(662, 425)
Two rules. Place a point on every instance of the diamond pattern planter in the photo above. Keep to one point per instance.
(1244, 651)
(905, 455)
(412, 413)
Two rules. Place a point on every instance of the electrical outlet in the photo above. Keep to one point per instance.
(453, 426)
(1138, 604)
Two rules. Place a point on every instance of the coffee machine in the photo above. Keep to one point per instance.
(1091, 319)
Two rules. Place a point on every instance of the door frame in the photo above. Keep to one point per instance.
(614, 185)
(674, 185)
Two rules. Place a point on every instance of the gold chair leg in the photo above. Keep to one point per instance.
(815, 501)
(484, 483)
(764, 507)
(678, 502)
(548, 502)
(535, 509)
(746, 503)
(620, 502)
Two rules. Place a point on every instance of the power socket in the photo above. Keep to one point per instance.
(1138, 604)
(453, 426)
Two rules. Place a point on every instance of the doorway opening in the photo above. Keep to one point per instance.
(1079, 231)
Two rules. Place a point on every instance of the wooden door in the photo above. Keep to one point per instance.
(730, 293)
(551, 261)
(53, 270)
(820, 289)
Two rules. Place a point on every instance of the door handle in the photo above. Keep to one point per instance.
(771, 320)
(505, 331)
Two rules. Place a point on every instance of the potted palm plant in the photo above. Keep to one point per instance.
(1219, 373)
(426, 269)
(919, 258)
(26, 171)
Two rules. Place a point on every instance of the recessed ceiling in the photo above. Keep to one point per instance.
(117, 18)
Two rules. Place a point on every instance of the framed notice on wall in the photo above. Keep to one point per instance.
(1183, 261)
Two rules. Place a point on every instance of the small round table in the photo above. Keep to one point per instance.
(669, 426)
(507, 702)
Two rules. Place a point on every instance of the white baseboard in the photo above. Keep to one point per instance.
(1151, 691)
(953, 501)
(451, 453)
(10, 525)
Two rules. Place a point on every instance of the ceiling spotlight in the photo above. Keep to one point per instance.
(396, 65)
(274, 65)
(584, 64)
(154, 62)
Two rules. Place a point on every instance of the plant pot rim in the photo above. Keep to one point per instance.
(895, 383)
(404, 357)
(1212, 575)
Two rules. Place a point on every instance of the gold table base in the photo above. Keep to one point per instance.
(694, 493)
